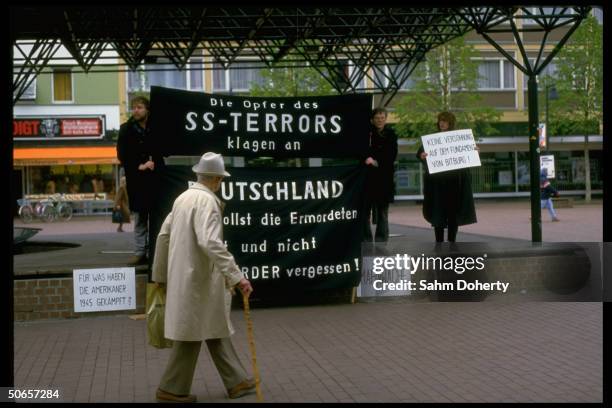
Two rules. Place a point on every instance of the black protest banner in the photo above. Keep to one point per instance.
(191, 123)
(296, 229)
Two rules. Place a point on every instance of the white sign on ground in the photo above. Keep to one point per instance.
(102, 290)
(548, 162)
(450, 150)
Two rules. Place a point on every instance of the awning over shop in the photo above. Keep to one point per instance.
(40, 156)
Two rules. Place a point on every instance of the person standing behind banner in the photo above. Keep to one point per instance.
(192, 261)
(140, 163)
(122, 204)
(447, 196)
(379, 188)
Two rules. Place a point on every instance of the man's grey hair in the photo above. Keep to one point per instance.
(206, 177)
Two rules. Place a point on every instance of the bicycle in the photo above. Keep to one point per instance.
(27, 212)
(56, 207)
(48, 210)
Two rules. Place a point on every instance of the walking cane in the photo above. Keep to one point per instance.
(245, 301)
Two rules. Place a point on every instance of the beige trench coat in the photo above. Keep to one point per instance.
(191, 258)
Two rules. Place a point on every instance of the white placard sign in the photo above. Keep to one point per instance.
(107, 289)
(548, 162)
(450, 150)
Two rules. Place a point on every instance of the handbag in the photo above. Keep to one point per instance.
(156, 308)
(117, 217)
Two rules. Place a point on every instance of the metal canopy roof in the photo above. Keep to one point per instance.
(325, 38)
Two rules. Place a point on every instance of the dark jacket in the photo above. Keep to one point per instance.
(134, 147)
(447, 195)
(548, 192)
(380, 188)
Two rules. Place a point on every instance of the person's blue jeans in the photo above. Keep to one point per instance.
(549, 205)
(141, 233)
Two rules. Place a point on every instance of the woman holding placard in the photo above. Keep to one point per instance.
(448, 201)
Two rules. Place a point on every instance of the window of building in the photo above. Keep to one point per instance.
(385, 73)
(489, 75)
(241, 79)
(170, 77)
(380, 75)
(30, 92)
(547, 11)
(549, 71)
(235, 79)
(496, 173)
(196, 74)
(72, 179)
(62, 85)
(167, 75)
(220, 78)
(408, 174)
(354, 73)
(495, 74)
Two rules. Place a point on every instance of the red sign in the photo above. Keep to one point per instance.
(80, 127)
(58, 128)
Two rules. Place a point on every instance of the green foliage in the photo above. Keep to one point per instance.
(291, 81)
(579, 80)
(447, 80)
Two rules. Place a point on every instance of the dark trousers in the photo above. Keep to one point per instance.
(452, 233)
(379, 213)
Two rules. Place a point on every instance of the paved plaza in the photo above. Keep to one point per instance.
(392, 350)
(496, 218)
(385, 352)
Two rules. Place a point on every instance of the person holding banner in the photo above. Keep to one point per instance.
(379, 188)
(447, 196)
(141, 165)
(200, 274)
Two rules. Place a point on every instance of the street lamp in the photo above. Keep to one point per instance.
(551, 93)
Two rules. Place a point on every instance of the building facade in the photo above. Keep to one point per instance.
(64, 132)
(66, 162)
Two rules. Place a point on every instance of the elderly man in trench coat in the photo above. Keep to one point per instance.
(199, 274)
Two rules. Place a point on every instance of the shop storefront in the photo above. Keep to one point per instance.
(505, 168)
(63, 155)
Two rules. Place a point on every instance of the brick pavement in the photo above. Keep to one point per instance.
(367, 352)
(388, 351)
(510, 219)
(505, 219)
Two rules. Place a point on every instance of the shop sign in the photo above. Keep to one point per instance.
(59, 128)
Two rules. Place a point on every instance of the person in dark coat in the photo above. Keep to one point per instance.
(141, 164)
(380, 188)
(448, 201)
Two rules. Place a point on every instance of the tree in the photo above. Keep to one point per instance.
(291, 80)
(579, 83)
(447, 80)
